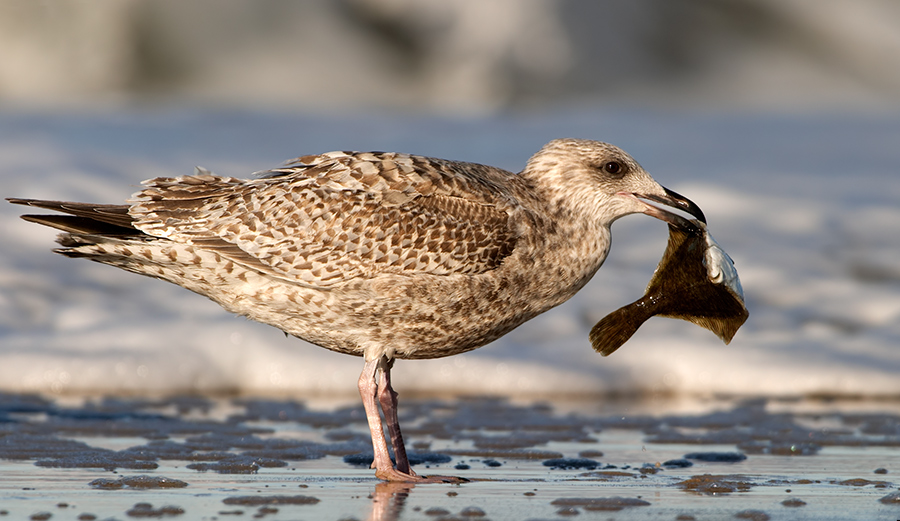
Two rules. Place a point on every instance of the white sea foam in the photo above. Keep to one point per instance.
(806, 207)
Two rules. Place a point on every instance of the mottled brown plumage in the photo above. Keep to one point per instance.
(381, 255)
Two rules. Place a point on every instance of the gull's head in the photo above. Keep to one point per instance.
(604, 182)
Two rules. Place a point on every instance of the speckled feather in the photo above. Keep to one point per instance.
(374, 253)
(323, 220)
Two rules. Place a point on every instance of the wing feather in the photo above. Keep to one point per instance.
(323, 220)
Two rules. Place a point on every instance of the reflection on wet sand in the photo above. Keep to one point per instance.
(389, 500)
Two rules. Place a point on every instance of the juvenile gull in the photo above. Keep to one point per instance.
(375, 254)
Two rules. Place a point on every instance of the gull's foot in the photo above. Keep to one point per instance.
(393, 474)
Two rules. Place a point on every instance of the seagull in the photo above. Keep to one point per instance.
(378, 254)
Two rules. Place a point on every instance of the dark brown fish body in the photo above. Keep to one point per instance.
(694, 281)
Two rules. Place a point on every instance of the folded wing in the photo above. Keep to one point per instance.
(323, 220)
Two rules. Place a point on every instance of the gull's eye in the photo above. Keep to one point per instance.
(614, 168)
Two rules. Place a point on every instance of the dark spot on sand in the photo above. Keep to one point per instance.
(572, 463)
(359, 460)
(147, 510)
(709, 484)
(860, 482)
(601, 503)
(418, 458)
(137, 482)
(716, 457)
(262, 512)
(679, 463)
(753, 515)
(891, 499)
(270, 500)
(238, 464)
(793, 502)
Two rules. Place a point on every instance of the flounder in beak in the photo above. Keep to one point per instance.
(695, 281)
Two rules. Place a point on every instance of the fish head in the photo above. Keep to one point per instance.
(720, 268)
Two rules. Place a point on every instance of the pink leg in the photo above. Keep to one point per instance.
(388, 399)
(371, 393)
(368, 389)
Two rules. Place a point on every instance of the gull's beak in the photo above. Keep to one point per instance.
(672, 200)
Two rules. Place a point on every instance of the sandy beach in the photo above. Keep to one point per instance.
(201, 458)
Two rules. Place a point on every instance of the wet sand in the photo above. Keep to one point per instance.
(264, 458)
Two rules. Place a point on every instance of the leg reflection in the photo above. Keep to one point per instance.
(389, 499)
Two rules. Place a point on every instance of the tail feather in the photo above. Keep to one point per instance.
(106, 234)
(104, 220)
(81, 225)
(87, 228)
(114, 214)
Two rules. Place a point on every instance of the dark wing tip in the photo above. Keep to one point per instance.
(81, 225)
(109, 218)
(17, 200)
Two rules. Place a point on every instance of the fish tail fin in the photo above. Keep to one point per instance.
(615, 329)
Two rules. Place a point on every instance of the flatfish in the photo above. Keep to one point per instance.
(694, 281)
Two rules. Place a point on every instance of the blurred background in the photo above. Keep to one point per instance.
(451, 56)
(780, 118)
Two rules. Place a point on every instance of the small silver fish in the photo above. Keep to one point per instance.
(694, 281)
